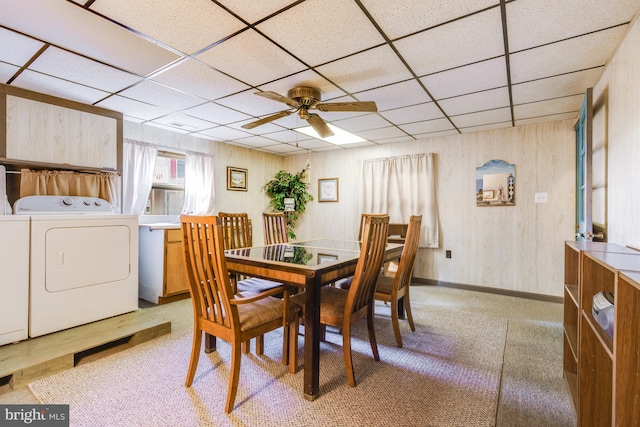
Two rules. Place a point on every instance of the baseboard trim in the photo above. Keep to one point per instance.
(508, 292)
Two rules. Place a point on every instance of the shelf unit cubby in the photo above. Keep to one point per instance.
(602, 372)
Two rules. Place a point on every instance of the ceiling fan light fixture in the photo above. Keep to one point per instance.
(339, 137)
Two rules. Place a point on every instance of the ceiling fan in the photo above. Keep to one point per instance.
(301, 99)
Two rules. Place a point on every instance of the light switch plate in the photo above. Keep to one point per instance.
(541, 198)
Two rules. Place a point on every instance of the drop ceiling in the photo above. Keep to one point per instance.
(438, 67)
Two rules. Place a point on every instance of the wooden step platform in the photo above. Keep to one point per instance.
(26, 361)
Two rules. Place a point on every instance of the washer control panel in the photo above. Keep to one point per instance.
(34, 205)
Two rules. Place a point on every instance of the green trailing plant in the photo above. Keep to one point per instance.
(285, 185)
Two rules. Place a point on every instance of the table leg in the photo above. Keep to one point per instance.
(401, 308)
(312, 342)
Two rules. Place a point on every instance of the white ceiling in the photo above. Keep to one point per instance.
(433, 67)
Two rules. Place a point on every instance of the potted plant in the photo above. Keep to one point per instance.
(283, 186)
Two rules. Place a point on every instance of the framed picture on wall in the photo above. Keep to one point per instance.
(328, 190)
(236, 179)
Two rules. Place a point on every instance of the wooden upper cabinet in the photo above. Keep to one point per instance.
(41, 132)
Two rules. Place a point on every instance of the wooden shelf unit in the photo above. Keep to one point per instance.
(602, 373)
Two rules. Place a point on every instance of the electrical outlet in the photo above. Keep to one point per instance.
(448, 254)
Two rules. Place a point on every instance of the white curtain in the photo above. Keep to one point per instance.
(139, 161)
(199, 194)
(402, 186)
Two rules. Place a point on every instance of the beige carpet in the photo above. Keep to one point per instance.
(447, 374)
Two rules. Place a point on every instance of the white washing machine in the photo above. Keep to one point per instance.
(14, 278)
(83, 262)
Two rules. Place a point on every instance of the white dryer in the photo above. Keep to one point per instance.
(14, 278)
(84, 261)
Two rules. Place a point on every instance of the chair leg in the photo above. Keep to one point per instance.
(407, 310)
(348, 360)
(260, 345)
(396, 324)
(246, 347)
(372, 333)
(209, 343)
(293, 346)
(234, 376)
(195, 356)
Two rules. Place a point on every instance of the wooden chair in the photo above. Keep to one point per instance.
(236, 230)
(341, 308)
(221, 313)
(237, 234)
(394, 289)
(275, 228)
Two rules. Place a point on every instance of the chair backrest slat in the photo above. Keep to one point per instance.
(275, 228)
(374, 240)
(206, 268)
(236, 230)
(405, 267)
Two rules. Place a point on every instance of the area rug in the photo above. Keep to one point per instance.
(447, 374)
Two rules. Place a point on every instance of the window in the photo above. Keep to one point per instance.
(167, 189)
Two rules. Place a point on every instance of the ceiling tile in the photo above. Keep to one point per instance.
(319, 31)
(161, 96)
(400, 18)
(405, 138)
(363, 122)
(17, 49)
(199, 79)
(483, 75)
(372, 68)
(549, 107)
(68, 66)
(66, 25)
(250, 103)
(314, 143)
(427, 126)
(462, 42)
(415, 113)
(187, 25)
(436, 134)
(491, 126)
(485, 100)
(260, 60)
(536, 22)
(257, 141)
(225, 133)
(288, 136)
(554, 87)
(7, 71)
(216, 113)
(283, 149)
(565, 56)
(184, 123)
(396, 95)
(382, 133)
(132, 108)
(42, 83)
(498, 115)
(551, 118)
(252, 11)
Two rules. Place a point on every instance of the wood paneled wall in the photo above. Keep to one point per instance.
(617, 95)
(511, 248)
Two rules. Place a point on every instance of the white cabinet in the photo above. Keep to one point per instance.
(42, 132)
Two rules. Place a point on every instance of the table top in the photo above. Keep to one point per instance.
(312, 254)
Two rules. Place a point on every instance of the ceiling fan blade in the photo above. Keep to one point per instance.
(267, 119)
(277, 97)
(367, 106)
(319, 126)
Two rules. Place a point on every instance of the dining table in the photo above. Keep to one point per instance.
(308, 264)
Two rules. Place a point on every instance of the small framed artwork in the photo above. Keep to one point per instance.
(322, 258)
(236, 179)
(328, 190)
